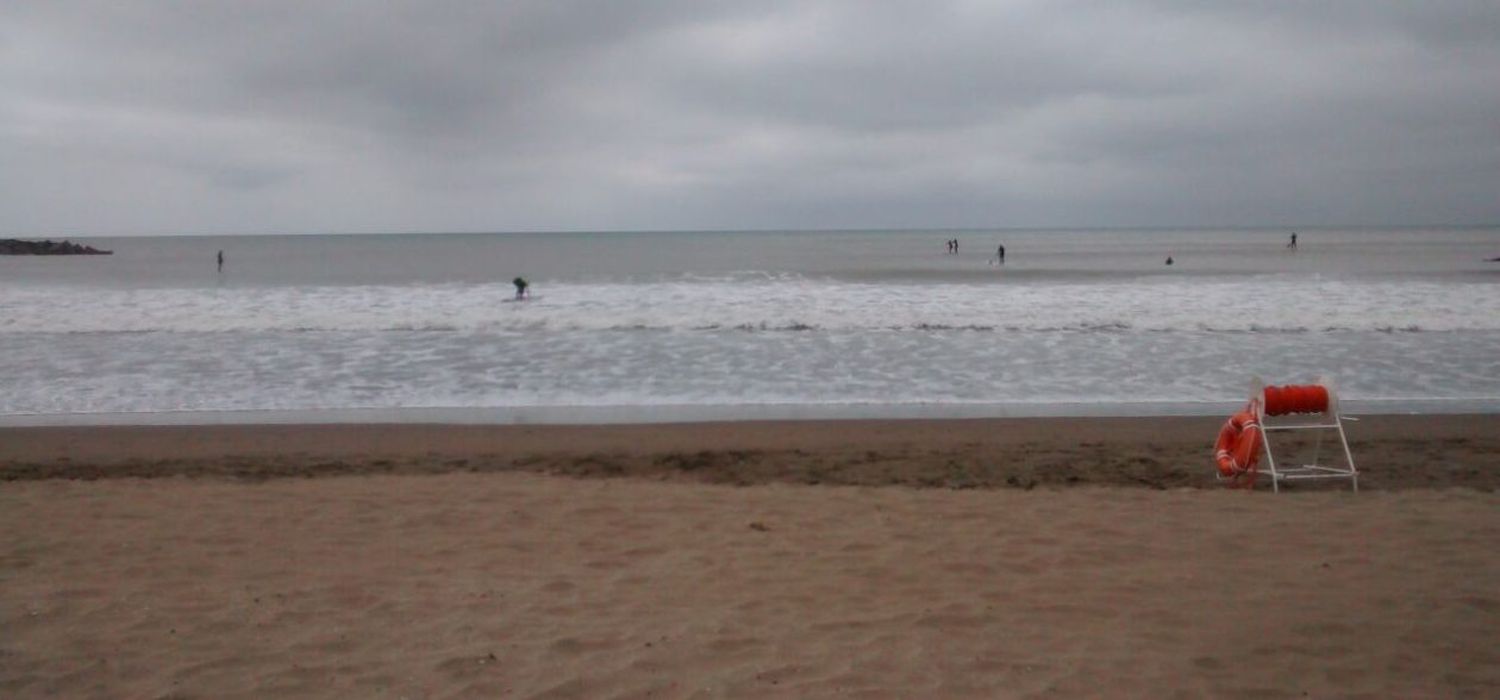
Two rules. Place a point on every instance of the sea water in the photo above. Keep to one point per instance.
(686, 325)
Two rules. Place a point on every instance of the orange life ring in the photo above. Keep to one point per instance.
(1238, 448)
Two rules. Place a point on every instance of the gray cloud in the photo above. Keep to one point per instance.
(289, 116)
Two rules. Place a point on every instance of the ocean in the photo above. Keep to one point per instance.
(643, 326)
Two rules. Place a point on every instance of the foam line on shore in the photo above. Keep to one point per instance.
(683, 413)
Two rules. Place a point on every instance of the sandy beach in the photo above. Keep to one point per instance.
(986, 558)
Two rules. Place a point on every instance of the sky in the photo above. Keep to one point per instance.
(301, 116)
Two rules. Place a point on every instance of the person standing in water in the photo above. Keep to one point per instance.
(1293, 244)
(221, 261)
(521, 286)
(1000, 253)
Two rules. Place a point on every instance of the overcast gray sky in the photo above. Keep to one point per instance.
(303, 116)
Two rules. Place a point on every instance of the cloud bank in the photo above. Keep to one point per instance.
(282, 116)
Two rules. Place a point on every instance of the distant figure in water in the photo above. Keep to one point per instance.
(1169, 260)
(221, 261)
(1293, 244)
(521, 286)
(1000, 254)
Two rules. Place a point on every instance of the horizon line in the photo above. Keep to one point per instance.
(880, 229)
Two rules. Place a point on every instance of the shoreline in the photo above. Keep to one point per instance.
(698, 413)
(1392, 452)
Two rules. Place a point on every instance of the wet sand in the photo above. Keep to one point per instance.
(1392, 452)
(472, 561)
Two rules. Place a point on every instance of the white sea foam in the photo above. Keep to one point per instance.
(71, 373)
(760, 303)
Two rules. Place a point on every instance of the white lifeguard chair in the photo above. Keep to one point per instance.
(1277, 413)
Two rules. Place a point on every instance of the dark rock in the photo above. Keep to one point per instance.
(12, 246)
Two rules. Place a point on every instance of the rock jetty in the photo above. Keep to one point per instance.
(12, 246)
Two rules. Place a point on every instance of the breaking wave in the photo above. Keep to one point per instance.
(767, 305)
